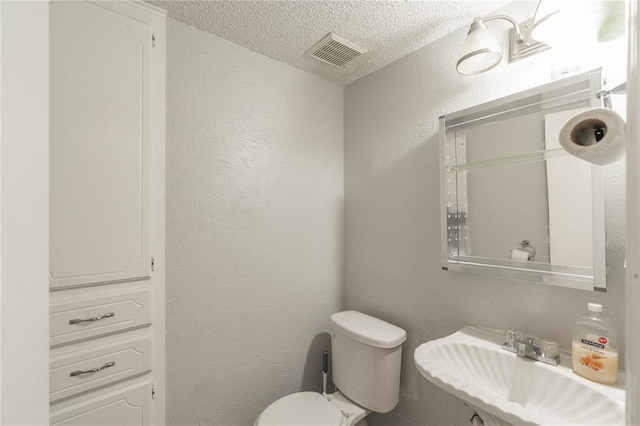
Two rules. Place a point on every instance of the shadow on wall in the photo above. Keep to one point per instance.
(312, 376)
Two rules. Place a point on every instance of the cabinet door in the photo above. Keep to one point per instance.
(124, 406)
(99, 143)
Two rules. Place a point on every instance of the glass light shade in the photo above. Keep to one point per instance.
(546, 22)
(480, 51)
(613, 21)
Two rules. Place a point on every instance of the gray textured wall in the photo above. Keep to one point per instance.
(392, 217)
(254, 228)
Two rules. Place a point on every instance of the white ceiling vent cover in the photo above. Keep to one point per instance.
(336, 50)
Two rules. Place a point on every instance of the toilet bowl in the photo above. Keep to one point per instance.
(366, 355)
(313, 409)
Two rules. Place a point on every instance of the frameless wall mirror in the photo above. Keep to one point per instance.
(514, 203)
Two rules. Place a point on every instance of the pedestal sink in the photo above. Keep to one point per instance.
(472, 365)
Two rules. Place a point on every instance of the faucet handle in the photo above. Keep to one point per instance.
(512, 336)
(549, 348)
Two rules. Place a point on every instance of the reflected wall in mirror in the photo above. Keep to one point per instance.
(514, 203)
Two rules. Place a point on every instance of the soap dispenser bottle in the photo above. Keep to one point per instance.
(595, 350)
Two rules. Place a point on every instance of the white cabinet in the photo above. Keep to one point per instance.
(79, 318)
(89, 365)
(100, 143)
(126, 405)
(107, 186)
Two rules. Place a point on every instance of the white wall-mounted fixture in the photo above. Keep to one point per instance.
(545, 21)
(481, 51)
(336, 50)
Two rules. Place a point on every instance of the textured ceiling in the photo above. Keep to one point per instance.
(285, 30)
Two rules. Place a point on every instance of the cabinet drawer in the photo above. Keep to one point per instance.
(125, 405)
(81, 367)
(79, 319)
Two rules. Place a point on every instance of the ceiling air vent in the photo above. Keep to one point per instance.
(336, 50)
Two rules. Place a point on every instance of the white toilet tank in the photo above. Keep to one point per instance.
(366, 355)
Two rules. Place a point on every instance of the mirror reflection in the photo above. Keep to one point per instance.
(515, 204)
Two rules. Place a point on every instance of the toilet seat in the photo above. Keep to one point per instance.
(301, 409)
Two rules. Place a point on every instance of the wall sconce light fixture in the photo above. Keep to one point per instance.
(481, 51)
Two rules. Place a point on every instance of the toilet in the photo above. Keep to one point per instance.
(366, 353)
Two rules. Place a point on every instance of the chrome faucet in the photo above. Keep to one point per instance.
(547, 352)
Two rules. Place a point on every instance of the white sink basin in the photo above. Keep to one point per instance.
(472, 365)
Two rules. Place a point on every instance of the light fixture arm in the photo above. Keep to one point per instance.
(516, 27)
(535, 13)
(481, 51)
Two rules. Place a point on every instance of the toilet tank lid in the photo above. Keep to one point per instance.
(367, 329)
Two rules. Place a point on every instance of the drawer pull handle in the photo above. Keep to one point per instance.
(79, 321)
(93, 370)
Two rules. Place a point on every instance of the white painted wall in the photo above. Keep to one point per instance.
(254, 228)
(24, 193)
(392, 217)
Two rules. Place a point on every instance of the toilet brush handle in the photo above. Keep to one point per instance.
(325, 369)
(324, 383)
